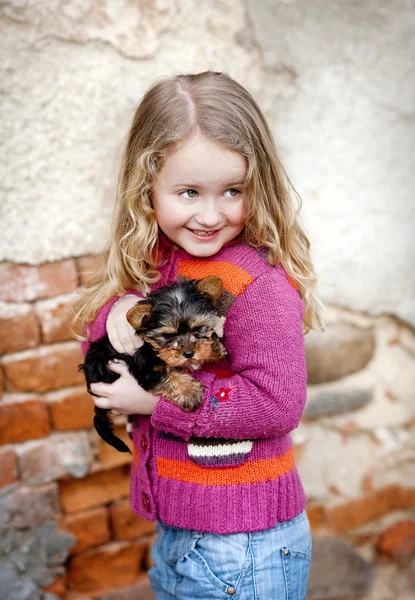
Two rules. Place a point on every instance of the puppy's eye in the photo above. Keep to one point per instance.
(199, 332)
(169, 336)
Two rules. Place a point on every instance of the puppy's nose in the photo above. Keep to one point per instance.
(188, 353)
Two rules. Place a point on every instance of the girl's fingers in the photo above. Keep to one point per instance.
(117, 342)
(102, 402)
(133, 337)
(137, 341)
(114, 339)
(117, 366)
(123, 340)
(133, 342)
(101, 389)
(126, 343)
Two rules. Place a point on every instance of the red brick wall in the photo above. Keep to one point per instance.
(44, 410)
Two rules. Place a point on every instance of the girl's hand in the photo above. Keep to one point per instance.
(124, 396)
(121, 334)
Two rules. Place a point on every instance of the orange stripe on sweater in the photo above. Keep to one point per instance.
(293, 283)
(256, 471)
(235, 279)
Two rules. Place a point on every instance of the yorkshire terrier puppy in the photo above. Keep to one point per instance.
(181, 329)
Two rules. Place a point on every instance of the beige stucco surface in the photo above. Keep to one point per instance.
(335, 80)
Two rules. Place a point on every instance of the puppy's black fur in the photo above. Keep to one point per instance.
(142, 365)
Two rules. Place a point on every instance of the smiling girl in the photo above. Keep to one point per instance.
(202, 192)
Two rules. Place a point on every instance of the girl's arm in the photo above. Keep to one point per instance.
(266, 392)
(123, 396)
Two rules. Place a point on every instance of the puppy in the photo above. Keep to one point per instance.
(181, 330)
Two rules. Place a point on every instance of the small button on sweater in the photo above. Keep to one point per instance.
(228, 467)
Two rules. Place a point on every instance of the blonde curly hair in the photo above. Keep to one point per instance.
(222, 110)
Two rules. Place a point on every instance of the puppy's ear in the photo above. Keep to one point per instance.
(138, 314)
(211, 287)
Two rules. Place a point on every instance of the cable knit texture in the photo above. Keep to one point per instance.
(229, 466)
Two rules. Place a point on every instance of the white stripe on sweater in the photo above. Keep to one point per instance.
(242, 447)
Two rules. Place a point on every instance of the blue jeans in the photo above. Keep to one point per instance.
(267, 565)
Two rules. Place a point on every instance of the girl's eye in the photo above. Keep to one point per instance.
(232, 192)
(189, 194)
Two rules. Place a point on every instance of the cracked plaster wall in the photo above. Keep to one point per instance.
(333, 78)
(345, 126)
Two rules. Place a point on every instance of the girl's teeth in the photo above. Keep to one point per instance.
(205, 233)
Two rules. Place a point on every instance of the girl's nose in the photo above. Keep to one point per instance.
(210, 214)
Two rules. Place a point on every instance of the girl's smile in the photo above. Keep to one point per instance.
(198, 195)
(204, 235)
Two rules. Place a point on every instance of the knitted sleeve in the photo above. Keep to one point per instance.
(266, 392)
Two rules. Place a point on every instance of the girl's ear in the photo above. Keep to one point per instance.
(138, 314)
(211, 287)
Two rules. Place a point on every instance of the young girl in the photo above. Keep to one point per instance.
(202, 192)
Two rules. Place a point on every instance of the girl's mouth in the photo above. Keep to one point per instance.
(201, 233)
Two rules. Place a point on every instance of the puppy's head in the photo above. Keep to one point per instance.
(181, 322)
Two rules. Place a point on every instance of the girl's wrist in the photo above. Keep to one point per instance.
(149, 404)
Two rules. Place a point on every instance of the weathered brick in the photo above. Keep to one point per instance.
(113, 566)
(94, 490)
(406, 497)
(91, 528)
(346, 517)
(110, 457)
(362, 539)
(58, 587)
(398, 542)
(23, 420)
(342, 350)
(18, 327)
(74, 595)
(20, 282)
(30, 506)
(54, 457)
(315, 515)
(8, 467)
(139, 591)
(43, 369)
(55, 317)
(71, 409)
(125, 524)
(148, 561)
(88, 266)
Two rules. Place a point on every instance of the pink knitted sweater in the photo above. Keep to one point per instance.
(229, 466)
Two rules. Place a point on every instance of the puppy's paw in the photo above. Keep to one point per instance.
(191, 396)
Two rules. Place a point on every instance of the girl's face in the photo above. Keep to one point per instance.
(198, 195)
